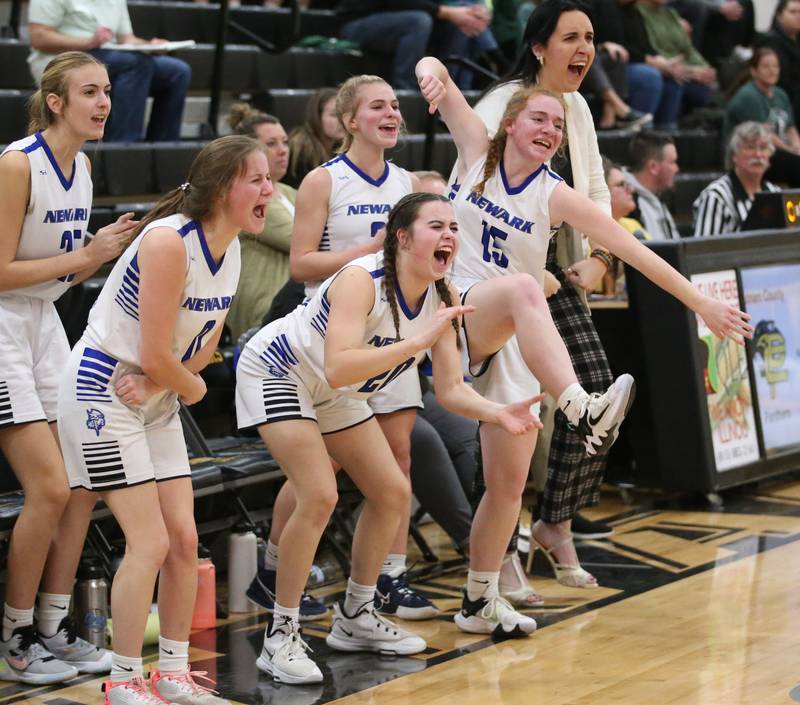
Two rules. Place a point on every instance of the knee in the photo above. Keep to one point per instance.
(418, 23)
(183, 543)
(149, 550)
(50, 499)
(526, 292)
(317, 506)
(395, 495)
(509, 490)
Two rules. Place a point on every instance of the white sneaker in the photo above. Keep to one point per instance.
(367, 630)
(183, 690)
(602, 414)
(284, 655)
(495, 616)
(69, 648)
(23, 658)
(132, 692)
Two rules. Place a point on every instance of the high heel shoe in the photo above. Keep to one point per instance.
(518, 590)
(569, 575)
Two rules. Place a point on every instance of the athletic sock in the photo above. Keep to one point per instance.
(394, 565)
(482, 584)
(14, 619)
(173, 656)
(571, 402)
(50, 610)
(357, 596)
(125, 668)
(271, 559)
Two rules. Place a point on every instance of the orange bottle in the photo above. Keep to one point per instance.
(205, 605)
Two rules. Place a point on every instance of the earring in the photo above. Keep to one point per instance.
(540, 59)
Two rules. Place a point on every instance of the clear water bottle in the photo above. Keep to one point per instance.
(91, 603)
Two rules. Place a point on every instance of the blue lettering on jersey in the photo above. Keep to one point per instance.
(373, 384)
(368, 209)
(500, 213)
(215, 303)
(95, 420)
(66, 215)
(378, 341)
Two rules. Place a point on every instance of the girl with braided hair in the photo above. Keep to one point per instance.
(303, 381)
(508, 204)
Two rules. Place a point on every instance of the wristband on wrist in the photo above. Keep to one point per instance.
(605, 257)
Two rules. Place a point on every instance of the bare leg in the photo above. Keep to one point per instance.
(506, 460)
(366, 457)
(138, 513)
(177, 584)
(515, 304)
(397, 429)
(281, 511)
(67, 546)
(36, 460)
(299, 449)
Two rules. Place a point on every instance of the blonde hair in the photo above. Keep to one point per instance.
(55, 81)
(347, 103)
(497, 144)
(211, 177)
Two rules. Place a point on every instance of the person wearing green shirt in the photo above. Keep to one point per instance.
(761, 100)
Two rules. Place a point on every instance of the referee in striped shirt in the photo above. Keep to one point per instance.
(723, 205)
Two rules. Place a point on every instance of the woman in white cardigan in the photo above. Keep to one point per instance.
(560, 36)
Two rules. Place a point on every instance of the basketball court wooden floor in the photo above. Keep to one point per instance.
(697, 606)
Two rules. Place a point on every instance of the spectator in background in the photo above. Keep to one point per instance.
(724, 204)
(403, 29)
(315, 141)
(432, 182)
(718, 26)
(654, 163)
(782, 39)
(762, 100)
(61, 25)
(265, 255)
(696, 79)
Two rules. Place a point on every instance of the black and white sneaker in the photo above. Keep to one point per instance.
(367, 630)
(69, 648)
(284, 654)
(602, 414)
(495, 616)
(24, 659)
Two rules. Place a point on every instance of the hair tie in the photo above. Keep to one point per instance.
(185, 187)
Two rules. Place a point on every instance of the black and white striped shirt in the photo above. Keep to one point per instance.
(723, 206)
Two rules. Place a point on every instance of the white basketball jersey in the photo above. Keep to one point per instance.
(301, 335)
(208, 291)
(505, 230)
(359, 205)
(57, 215)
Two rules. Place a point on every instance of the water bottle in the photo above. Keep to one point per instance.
(91, 603)
(205, 605)
(242, 558)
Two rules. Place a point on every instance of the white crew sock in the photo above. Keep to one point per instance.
(482, 584)
(394, 565)
(125, 668)
(173, 656)
(50, 610)
(571, 402)
(357, 596)
(14, 619)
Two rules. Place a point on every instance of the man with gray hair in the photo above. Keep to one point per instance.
(723, 205)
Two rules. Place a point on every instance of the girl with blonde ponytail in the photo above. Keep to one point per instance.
(508, 204)
(45, 199)
(303, 381)
(155, 325)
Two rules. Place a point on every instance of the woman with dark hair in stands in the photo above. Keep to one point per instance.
(315, 141)
(45, 199)
(155, 325)
(304, 382)
(782, 38)
(265, 255)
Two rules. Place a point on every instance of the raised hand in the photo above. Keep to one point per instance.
(725, 320)
(517, 418)
(441, 322)
(433, 90)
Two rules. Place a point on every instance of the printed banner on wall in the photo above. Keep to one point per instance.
(728, 394)
(772, 298)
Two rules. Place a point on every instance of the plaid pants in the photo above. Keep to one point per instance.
(573, 478)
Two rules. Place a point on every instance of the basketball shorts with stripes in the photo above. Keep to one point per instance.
(268, 394)
(107, 444)
(33, 352)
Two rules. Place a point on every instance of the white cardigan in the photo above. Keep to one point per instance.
(584, 154)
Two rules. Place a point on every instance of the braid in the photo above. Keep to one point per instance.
(444, 294)
(390, 279)
(496, 148)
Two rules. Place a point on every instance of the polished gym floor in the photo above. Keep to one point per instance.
(698, 606)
